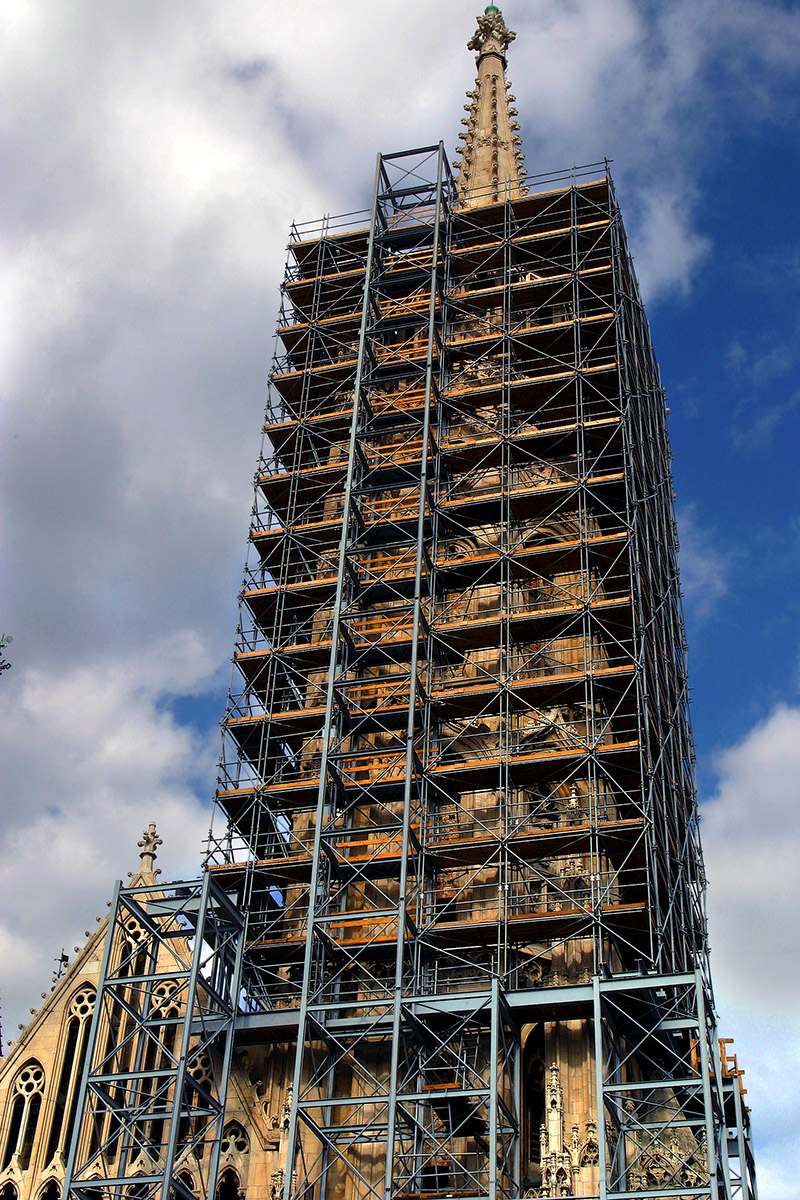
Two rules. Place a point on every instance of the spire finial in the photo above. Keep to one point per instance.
(149, 845)
(492, 35)
(492, 165)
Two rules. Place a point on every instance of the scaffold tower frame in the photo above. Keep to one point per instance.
(152, 1099)
(456, 805)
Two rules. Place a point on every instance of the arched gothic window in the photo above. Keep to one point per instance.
(234, 1140)
(138, 1191)
(228, 1187)
(51, 1190)
(187, 1181)
(69, 1079)
(132, 948)
(26, 1104)
(159, 1051)
(534, 1086)
(201, 1072)
(8, 1192)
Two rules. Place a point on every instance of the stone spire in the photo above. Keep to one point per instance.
(149, 847)
(492, 164)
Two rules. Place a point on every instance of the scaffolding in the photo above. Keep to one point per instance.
(152, 1099)
(456, 801)
(457, 753)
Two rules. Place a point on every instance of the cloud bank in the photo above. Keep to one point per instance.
(751, 836)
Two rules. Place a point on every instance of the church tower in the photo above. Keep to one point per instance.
(453, 908)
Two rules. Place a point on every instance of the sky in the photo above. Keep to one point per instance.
(155, 156)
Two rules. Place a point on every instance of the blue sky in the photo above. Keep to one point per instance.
(155, 157)
(729, 351)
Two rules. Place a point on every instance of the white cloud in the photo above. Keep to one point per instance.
(751, 836)
(751, 826)
(671, 251)
(93, 754)
(705, 568)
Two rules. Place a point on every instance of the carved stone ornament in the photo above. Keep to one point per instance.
(287, 1107)
(149, 846)
(589, 1150)
(276, 1185)
(248, 1081)
(558, 1156)
(492, 35)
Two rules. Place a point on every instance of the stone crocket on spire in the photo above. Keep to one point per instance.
(492, 162)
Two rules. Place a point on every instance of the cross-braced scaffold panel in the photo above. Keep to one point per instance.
(154, 1090)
